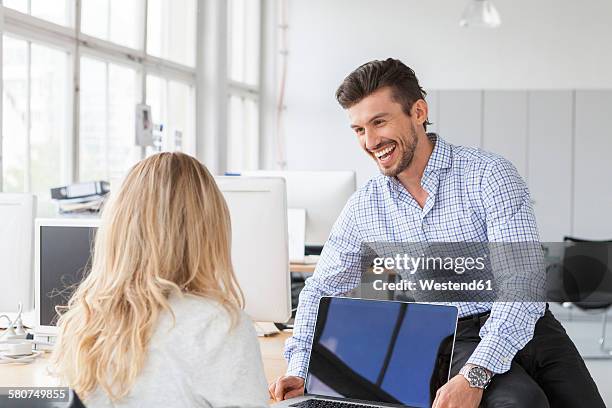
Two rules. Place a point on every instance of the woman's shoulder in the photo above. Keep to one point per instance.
(197, 314)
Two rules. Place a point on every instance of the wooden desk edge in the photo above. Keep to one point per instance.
(304, 268)
(36, 374)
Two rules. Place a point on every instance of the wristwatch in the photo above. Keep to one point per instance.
(476, 376)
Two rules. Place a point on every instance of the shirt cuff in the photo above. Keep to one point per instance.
(493, 353)
(298, 363)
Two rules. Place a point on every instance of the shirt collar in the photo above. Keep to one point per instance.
(441, 158)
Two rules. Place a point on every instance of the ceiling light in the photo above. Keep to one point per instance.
(480, 13)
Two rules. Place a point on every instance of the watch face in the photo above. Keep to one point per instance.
(478, 377)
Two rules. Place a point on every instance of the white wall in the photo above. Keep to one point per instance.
(541, 45)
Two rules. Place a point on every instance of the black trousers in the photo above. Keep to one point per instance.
(547, 372)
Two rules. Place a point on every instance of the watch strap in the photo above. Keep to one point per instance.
(474, 382)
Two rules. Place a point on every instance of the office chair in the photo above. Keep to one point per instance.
(75, 401)
(587, 281)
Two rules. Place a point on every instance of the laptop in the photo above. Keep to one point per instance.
(378, 353)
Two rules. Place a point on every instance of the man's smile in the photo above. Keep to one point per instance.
(385, 154)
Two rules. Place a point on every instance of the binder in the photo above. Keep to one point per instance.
(78, 190)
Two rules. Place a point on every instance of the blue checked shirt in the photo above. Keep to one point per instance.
(473, 196)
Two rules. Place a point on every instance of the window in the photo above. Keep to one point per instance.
(171, 31)
(243, 134)
(244, 39)
(15, 121)
(52, 88)
(106, 135)
(49, 116)
(117, 21)
(35, 115)
(173, 106)
(56, 11)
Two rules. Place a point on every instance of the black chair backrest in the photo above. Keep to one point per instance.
(587, 278)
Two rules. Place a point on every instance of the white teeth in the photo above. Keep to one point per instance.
(383, 152)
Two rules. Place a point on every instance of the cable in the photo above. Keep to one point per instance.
(283, 26)
(26, 359)
(10, 324)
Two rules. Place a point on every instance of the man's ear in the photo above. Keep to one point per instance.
(420, 110)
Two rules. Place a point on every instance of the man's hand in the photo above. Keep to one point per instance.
(457, 393)
(286, 387)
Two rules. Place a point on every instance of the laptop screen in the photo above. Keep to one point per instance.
(381, 351)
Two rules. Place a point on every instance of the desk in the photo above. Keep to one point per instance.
(304, 268)
(272, 355)
(36, 375)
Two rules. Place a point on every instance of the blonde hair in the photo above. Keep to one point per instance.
(166, 231)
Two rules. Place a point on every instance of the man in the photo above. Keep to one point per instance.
(510, 354)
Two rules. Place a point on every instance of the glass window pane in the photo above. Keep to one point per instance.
(126, 22)
(92, 121)
(156, 98)
(117, 21)
(243, 134)
(19, 5)
(49, 118)
(56, 11)
(181, 117)
(94, 17)
(108, 97)
(14, 113)
(244, 40)
(35, 163)
(123, 97)
(171, 30)
(172, 104)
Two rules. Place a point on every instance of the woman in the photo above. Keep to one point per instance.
(158, 320)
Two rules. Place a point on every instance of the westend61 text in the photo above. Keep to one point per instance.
(431, 284)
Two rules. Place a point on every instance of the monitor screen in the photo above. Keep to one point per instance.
(65, 258)
(381, 351)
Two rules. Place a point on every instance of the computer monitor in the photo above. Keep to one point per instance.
(259, 252)
(17, 212)
(258, 212)
(323, 194)
(64, 248)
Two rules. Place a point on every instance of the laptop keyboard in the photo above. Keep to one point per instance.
(316, 403)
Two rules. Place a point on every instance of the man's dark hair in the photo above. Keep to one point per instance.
(375, 75)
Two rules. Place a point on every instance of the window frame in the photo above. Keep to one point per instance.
(77, 44)
(245, 90)
(67, 138)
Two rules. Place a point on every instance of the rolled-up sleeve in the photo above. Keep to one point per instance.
(509, 219)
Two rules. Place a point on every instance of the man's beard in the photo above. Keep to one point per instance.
(406, 159)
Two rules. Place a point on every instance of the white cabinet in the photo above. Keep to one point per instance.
(505, 126)
(593, 165)
(549, 161)
(460, 117)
